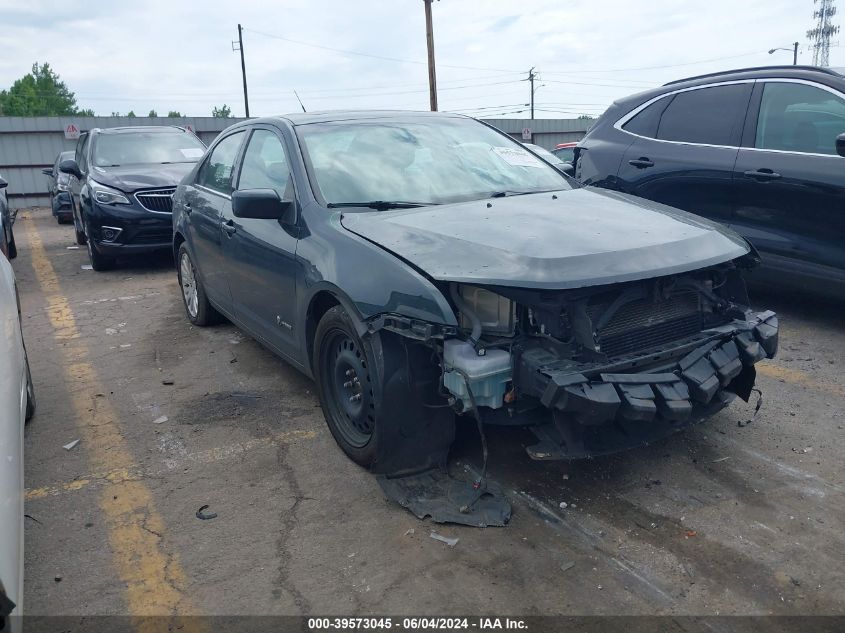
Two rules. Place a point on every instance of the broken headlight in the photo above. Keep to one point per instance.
(496, 313)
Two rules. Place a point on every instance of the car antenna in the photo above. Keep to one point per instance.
(300, 102)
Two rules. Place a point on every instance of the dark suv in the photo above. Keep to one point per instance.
(123, 182)
(756, 149)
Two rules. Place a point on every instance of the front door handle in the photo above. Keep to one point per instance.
(762, 174)
(641, 163)
(187, 207)
(230, 228)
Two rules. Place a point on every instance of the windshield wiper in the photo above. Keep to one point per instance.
(379, 205)
(508, 193)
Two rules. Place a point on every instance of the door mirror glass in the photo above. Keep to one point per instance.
(47, 171)
(262, 204)
(840, 144)
(71, 167)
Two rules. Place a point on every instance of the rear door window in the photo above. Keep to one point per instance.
(711, 116)
(216, 171)
(646, 121)
(799, 118)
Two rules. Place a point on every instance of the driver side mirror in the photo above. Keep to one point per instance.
(47, 171)
(263, 204)
(70, 167)
(567, 168)
(840, 144)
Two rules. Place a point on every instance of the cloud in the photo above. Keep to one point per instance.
(174, 54)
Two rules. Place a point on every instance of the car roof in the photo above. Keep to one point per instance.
(131, 129)
(306, 118)
(825, 75)
(761, 72)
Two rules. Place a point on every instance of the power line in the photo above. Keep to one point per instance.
(370, 55)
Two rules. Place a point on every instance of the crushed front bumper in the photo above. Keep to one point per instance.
(648, 395)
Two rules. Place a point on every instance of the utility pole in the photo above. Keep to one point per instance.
(531, 77)
(240, 47)
(795, 54)
(429, 38)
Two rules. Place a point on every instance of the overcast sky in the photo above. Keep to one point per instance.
(170, 54)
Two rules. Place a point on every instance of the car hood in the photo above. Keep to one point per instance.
(570, 239)
(129, 178)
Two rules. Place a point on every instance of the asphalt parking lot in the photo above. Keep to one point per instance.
(722, 518)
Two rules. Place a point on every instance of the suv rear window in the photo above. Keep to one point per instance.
(711, 116)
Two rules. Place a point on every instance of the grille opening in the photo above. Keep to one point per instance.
(160, 200)
(646, 323)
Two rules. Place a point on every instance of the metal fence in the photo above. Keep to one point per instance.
(544, 132)
(28, 144)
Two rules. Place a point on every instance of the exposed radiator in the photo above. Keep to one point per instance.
(644, 323)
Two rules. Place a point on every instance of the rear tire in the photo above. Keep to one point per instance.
(197, 306)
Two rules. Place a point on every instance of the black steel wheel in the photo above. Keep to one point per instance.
(345, 380)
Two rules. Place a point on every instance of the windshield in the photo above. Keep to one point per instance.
(133, 148)
(424, 160)
(544, 153)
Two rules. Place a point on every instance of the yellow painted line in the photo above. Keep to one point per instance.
(207, 456)
(799, 377)
(154, 578)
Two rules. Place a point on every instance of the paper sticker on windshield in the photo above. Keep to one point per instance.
(192, 152)
(516, 156)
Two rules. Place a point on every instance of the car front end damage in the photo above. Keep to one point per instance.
(599, 369)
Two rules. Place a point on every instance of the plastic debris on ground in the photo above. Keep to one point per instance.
(160, 420)
(205, 516)
(451, 542)
(446, 500)
(87, 267)
(70, 445)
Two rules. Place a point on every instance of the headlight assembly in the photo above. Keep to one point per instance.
(107, 195)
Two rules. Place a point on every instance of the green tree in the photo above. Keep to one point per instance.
(152, 114)
(86, 112)
(131, 114)
(175, 114)
(39, 93)
(223, 112)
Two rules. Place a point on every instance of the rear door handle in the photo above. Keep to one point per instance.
(641, 163)
(229, 227)
(762, 174)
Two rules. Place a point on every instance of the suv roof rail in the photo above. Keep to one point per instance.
(818, 69)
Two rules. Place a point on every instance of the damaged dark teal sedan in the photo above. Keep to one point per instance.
(425, 267)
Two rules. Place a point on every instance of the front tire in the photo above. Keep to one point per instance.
(99, 262)
(197, 307)
(79, 231)
(345, 372)
(30, 394)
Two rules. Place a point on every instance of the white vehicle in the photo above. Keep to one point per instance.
(17, 404)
